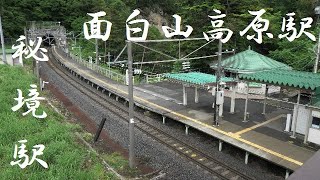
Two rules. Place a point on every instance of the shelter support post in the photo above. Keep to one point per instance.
(163, 119)
(265, 100)
(220, 110)
(184, 95)
(294, 123)
(287, 174)
(233, 100)
(187, 129)
(246, 159)
(246, 105)
(213, 93)
(196, 95)
(288, 123)
(309, 122)
(220, 145)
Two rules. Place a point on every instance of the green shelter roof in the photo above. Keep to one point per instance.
(196, 78)
(297, 79)
(250, 61)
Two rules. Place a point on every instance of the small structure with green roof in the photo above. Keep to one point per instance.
(250, 61)
(195, 79)
(306, 118)
(288, 78)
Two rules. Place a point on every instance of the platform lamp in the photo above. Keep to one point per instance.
(315, 69)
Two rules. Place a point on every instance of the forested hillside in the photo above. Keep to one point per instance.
(73, 13)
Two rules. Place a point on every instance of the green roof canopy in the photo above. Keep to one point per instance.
(196, 78)
(297, 79)
(250, 61)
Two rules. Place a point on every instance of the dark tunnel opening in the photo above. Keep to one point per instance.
(48, 40)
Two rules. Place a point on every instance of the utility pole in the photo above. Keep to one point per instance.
(317, 12)
(315, 69)
(80, 53)
(27, 37)
(218, 76)
(2, 42)
(109, 61)
(97, 53)
(131, 104)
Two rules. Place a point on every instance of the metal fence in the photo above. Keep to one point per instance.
(154, 78)
(104, 71)
(8, 42)
(149, 78)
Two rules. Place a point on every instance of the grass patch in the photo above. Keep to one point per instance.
(66, 158)
(119, 164)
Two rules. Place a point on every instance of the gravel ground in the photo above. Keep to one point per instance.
(158, 156)
(257, 168)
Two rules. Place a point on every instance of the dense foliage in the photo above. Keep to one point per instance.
(73, 13)
(66, 158)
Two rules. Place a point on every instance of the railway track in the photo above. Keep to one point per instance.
(218, 169)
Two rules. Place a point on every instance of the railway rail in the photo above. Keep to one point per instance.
(216, 168)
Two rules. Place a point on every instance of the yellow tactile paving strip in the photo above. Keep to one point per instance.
(231, 135)
(258, 125)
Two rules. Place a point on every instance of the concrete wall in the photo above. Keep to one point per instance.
(10, 61)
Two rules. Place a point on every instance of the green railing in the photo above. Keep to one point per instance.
(104, 71)
(154, 78)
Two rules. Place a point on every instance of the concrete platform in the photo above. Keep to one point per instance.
(309, 170)
(262, 136)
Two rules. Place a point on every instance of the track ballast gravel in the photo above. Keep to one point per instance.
(153, 153)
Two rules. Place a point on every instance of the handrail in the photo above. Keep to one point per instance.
(104, 71)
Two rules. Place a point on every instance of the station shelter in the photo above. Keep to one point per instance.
(200, 80)
(245, 62)
(252, 72)
(306, 117)
(249, 61)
